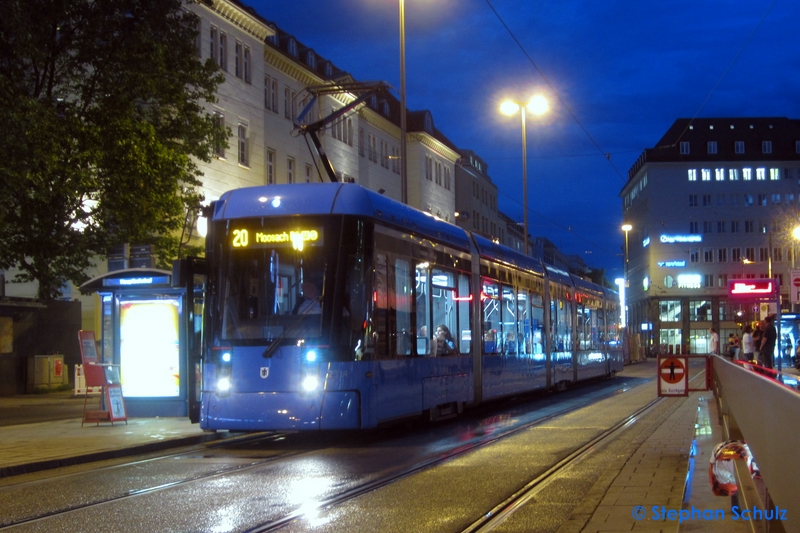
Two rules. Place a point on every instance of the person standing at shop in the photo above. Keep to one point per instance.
(713, 345)
(768, 340)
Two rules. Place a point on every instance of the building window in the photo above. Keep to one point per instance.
(684, 148)
(438, 169)
(292, 47)
(289, 170)
(708, 280)
(693, 226)
(213, 48)
(722, 281)
(707, 226)
(271, 94)
(270, 167)
(708, 255)
(243, 155)
(373, 148)
(763, 254)
(766, 147)
(395, 160)
(247, 64)
(734, 226)
(428, 168)
(722, 255)
(384, 154)
(747, 174)
(748, 200)
(669, 311)
(720, 200)
(750, 253)
(761, 174)
(736, 255)
(733, 174)
(693, 200)
(712, 147)
(762, 199)
(738, 147)
(447, 178)
(348, 132)
(361, 142)
(719, 174)
(720, 226)
(238, 59)
(734, 200)
(749, 226)
(706, 173)
(287, 102)
(223, 51)
(694, 255)
(219, 148)
(706, 200)
(774, 174)
(692, 174)
(777, 254)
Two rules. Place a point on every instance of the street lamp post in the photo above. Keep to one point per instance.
(626, 228)
(403, 166)
(536, 105)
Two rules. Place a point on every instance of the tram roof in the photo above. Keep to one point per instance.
(492, 250)
(304, 199)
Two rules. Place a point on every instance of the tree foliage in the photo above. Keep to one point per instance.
(102, 121)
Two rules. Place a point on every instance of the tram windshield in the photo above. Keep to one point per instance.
(270, 284)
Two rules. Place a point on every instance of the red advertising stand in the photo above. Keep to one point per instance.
(104, 376)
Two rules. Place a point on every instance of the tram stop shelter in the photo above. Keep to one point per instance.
(140, 328)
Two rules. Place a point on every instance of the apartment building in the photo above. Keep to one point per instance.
(714, 200)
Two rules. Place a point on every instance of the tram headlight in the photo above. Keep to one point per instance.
(310, 383)
(224, 385)
(311, 356)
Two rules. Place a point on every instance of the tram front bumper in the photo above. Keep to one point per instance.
(265, 411)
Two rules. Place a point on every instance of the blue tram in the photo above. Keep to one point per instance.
(329, 306)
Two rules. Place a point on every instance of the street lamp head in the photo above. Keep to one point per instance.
(627, 227)
(538, 105)
(796, 232)
(509, 108)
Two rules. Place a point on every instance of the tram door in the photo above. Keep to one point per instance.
(190, 274)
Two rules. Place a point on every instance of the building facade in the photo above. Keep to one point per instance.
(714, 200)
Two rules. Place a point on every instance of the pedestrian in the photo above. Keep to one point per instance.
(713, 342)
(768, 340)
(731, 346)
(748, 347)
(757, 335)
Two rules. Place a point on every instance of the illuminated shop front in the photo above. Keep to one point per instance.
(140, 329)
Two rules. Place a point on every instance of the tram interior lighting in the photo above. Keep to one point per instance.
(223, 385)
(226, 357)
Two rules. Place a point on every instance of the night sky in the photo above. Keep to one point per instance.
(617, 74)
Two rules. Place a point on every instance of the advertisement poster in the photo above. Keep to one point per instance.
(149, 353)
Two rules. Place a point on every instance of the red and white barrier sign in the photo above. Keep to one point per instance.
(673, 376)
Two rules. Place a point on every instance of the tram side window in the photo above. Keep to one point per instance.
(422, 316)
(401, 307)
(508, 324)
(464, 334)
(537, 324)
(490, 302)
(561, 317)
(524, 323)
(443, 300)
(378, 344)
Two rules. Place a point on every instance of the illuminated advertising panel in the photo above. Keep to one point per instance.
(149, 355)
(681, 263)
(671, 239)
(752, 288)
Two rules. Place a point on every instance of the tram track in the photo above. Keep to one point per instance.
(340, 498)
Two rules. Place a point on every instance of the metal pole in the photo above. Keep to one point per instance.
(524, 179)
(403, 167)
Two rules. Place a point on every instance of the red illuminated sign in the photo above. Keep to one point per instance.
(758, 288)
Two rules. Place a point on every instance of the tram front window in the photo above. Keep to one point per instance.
(271, 294)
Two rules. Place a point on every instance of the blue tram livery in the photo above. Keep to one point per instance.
(328, 306)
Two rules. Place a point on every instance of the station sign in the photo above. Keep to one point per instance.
(673, 376)
(753, 288)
